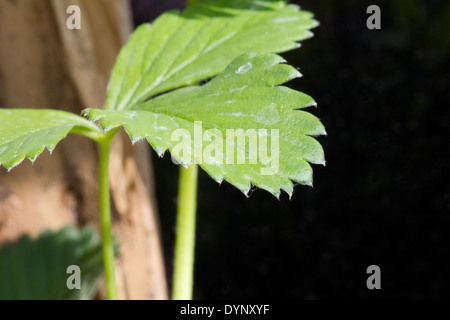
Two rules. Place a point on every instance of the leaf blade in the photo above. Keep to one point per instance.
(25, 133)
(243, 101)
(182, 49)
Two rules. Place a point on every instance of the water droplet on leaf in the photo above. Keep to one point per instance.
(243, 69)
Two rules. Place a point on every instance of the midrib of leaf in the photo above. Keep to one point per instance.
(207, 47)
(166, 74)
(190, 123)
(248, 23)
(148, 70)
(288, 138)
(204, 111)
(204, 50)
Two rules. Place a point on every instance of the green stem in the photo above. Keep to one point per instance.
(183, 273)
(105, 216)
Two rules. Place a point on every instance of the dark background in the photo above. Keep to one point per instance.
(384, 196)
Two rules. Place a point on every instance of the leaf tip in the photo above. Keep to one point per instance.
(322, 162)
(312, 103)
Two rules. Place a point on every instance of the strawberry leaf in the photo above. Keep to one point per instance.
(182, 49)
(195, 124)
(36, 269)
(25, 133)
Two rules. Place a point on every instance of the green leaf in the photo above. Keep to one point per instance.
(245, 96)
(182, 49)
(27, 132)
(37, 269)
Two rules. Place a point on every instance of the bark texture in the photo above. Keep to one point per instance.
(45, 65)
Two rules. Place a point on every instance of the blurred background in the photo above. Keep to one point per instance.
(383, 198)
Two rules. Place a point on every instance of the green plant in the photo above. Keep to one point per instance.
(36, 269)
(154, 95)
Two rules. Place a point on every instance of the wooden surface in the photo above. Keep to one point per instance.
(45, 65)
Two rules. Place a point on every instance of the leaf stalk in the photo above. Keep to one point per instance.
(183, 274)
(105, 215)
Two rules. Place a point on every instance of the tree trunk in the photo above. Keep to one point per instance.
(43, 64)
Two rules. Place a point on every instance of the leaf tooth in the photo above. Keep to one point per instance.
(291, 194)
(218, 179)
(272, 184)
(244, 188)
(90, 114)
(312, 103)
(94, 114)
(33, 158)
(108, 127)
(308, 183)
(33, 155)
(186, 164)
(15, 163)
(160, 151)
(247, 192)
(277, 194)
(135, 138)
(279, 74)
(322, 162)
(85, 112)
(215, 172)
(300, 172)
(315, 23)
(288, 187)
(50, 148)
